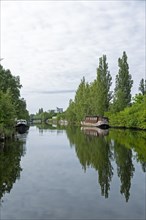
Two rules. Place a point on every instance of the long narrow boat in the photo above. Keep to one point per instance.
(96, 121)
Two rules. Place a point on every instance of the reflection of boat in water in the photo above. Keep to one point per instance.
(96, 121)
(21, 126)
(94, 131)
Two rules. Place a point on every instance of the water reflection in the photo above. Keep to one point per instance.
(49, 127)
(10, 157)
(101, 151)
(94, 131)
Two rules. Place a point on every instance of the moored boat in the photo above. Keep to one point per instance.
(21, 126)
(96, 121)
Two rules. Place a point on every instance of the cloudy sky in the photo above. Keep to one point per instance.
(51, 45)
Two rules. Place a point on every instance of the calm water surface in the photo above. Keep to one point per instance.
(74, 174)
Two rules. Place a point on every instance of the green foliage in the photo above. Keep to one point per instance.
(123, 85)
(10, 157)
(8, 81)
(43, 115)
(81, 100)
(99, 152)
(93, 98)
(103, 84)
(131, 139)
(70, 113)
(138, 98)
(80, 107)
(142, 86)
(131, 117)
(7, 109)
(61, 116)
(94, 152)
(40, 110)
(21, 109)
(12, 106)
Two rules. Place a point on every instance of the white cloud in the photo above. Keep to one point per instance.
(52, 45)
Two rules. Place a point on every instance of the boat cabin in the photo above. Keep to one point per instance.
(95, 119)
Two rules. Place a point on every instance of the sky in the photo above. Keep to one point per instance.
(52, 45)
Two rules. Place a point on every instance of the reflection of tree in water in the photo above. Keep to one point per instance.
(143, 165)
(131, 139)
(105, 169)
(94, 152)
(49, 127)
(125, 168)
(10, 157)
(98, 152)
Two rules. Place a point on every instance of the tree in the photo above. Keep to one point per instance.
(102, 86)
(21, 109)
(8, 81)
(80, 100)
(142, 86)
(123, 85)
(40, 111)
(7, 110)
(70, 112)
(80, 107)
(11, 84)
(93, 98)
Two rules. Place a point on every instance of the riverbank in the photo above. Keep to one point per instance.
(127, 122)
(123, 127)
(7, 133)
(131, 117)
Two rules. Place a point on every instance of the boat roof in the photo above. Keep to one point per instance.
(96, 116)
(21, 120)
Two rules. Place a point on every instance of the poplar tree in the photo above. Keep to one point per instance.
(70, 112)
(142, 86)
(80, 100)
(123, 85)
(103, 84)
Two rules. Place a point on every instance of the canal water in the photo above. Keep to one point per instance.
(73, 173)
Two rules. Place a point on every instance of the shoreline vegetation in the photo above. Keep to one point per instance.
(94, 98)
(133, 117)
(12, 106)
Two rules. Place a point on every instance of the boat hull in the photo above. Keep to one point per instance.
(21, 128)
(97, 124)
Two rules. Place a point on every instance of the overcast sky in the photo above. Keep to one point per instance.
(51, 45)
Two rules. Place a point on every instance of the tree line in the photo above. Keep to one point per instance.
(96, 98)
(12, 106)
